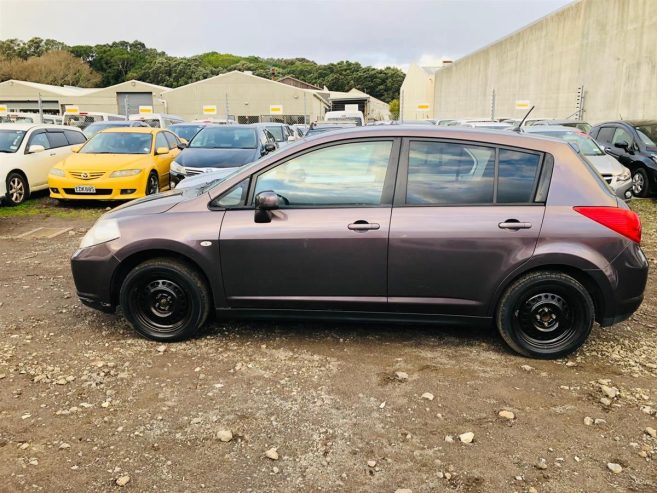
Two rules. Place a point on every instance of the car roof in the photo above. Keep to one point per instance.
(632, 123)
(550, 128)
(29, 126)
(134, 130)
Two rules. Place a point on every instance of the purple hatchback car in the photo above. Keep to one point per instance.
(399, 223)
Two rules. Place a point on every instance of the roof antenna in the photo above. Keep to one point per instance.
(520, 124)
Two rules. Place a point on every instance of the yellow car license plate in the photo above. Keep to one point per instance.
(85, 189)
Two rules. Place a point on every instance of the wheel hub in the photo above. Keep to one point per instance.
(164, 299)
(637, 180)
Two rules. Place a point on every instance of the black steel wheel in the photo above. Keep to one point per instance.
(545, 315)
(152, 184)
(17, 189)
(165, 299)
(640, 183)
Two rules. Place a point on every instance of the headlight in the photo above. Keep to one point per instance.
(57, 172)
(125, 172)
(625, 175)
(177, 168)
(104, 230)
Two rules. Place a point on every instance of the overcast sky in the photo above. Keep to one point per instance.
(373, 32)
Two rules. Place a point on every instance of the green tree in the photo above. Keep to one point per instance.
(394, 109)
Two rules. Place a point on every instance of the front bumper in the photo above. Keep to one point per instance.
(622, 189)
(93, 270)
(123, 188)
(175, 178)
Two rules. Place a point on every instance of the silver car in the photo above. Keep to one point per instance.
(617, 176)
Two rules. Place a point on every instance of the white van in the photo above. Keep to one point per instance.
(18, 117)
(156, 120)
(84, 118)
(345, 117)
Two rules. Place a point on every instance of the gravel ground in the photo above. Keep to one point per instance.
(87, 405)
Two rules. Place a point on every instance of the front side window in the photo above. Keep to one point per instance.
(621, 135)
(443, 173)
(171, 139)
(40, 140)
(277, 132)
(236, 196)
(118, 143)
(516, 176)
(161, 141)
(350, 174)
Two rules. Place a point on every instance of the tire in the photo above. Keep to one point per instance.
(18, 190)
(152, 183)
(564, 305)
(165, 299)
(640, 183)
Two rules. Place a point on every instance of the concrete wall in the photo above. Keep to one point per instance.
(248, 95)
(417, 88)
(608, 46)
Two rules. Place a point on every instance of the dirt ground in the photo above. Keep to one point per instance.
(87, 405)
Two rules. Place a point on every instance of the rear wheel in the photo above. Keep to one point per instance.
(545, 315)
(165, 299)
(640, 184)
(152, 184)
(17, 189)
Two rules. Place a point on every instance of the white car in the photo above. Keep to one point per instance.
(27, 152)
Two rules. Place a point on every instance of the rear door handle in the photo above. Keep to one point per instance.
(363, 226)
(514, 224)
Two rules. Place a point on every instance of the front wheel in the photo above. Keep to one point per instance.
(165, 299)
(545, 315)
(152, 184)
(640, 184)
(17, 189)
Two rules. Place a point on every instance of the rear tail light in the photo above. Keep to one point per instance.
(623, 221)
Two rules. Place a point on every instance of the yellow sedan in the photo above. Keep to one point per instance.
(116, 164)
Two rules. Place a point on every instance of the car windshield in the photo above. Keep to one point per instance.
(186, 132)
(277, 132)
(647, 134)
(10, 140)
(227, 137)
(118, 143)
(586, 144)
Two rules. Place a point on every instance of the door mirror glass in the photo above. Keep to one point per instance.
(162, 150)
(265, 202)
(34, 148)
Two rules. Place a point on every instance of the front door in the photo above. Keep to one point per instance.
(326, 247)
(457, 231)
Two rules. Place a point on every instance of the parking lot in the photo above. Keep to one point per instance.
(86, 404)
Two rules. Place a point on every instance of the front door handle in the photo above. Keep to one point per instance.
(53, 153)
(362, 225)
(514, 224)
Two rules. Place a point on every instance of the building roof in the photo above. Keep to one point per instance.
(304, 84)
(77, 91)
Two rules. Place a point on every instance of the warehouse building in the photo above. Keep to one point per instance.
(245, 98)
(373, 109)
(416, 93)
(592, 59)
(124, 98)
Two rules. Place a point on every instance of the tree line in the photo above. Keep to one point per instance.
(52, 62)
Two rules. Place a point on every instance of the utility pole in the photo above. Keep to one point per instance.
(492, 106)
(580, 102)
(227, 110)
(125, 106)
(40, 109)
(304, 108)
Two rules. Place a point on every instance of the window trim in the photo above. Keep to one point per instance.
(402, 173)
(387, 192)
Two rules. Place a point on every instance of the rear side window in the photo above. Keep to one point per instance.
(57, 139)
(74, 138)
(450, 173)
(605, 134)
(516, 176)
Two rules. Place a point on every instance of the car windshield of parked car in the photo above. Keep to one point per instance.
(118, 143)
(186, 132)
(10, 140)
(225, 138)
(647, 134)
(586, 144)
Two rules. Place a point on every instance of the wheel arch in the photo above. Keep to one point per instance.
(24, 175)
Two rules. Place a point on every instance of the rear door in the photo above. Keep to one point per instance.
(326, 247)
(464, 217)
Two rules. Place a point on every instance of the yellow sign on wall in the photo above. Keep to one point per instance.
(423, 107)
(275, 109)
(145, 110)
(209, 109)
(3, 108)
(72, 110)
(522, 104)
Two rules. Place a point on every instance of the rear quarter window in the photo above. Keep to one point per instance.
(517, 176)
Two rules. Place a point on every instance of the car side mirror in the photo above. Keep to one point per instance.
(34, 148)
(291, 138)
(76, 148)
(182, 145)
(622, 145)
(265, 202)
(269, 147)
(162, 150)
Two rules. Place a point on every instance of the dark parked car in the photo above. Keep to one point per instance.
(634, 144)
(393, 223)
(94, 128)
(578, 124)
(221, 146)
(187, 131)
